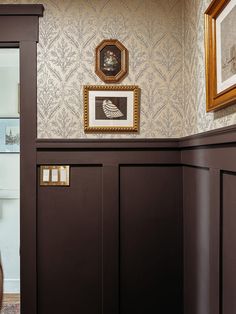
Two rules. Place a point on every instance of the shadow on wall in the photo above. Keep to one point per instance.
(226, 113)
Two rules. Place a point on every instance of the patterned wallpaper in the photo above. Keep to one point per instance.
(165, 39)
(69, 32)
(196, 119)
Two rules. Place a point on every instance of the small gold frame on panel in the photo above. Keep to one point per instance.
(62, 177)
(111, 108)
(220, 90)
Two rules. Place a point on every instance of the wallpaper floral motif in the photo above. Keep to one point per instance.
(69, 32)
(165, 39)
(195, 118)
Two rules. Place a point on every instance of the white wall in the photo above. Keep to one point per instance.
(9, 79)
(9, 221)
(9, 175)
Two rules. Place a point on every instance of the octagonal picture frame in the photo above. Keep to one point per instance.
(111, 64)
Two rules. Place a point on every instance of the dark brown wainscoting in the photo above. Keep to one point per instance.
(209, 204)
(150, 239)
(111, 242)
(69, 244)
(196, 208)
(155, 220)
(139, 220)
(228, 242)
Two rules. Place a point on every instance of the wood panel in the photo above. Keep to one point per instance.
(228, 242)
(150, 239)
(19, 28)
(218, 157)
(196, 211)
(110, 239)
(69, 223)
(28, 182)
(117, 157)
(74, 221)
(21, 9)
(149, 176)
(214, 229)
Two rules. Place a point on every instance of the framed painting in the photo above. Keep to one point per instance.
(111, 63)
(111, 108)
(9, 135)
(220, 52)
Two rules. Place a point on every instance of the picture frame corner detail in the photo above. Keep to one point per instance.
(220, 55)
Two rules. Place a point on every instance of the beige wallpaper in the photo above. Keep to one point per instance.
(69, 32)
(165, 39)
(196, 119)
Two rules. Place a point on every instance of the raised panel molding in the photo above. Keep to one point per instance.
(150, 239)
(197, 249)
(129, 167)
(70, 244)
(228, 244)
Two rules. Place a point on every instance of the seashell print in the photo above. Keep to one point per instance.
(110, 110)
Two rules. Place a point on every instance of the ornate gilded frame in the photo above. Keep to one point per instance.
(123, 62)
(215, 100)
(134, 127)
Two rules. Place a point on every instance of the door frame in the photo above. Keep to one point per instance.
(19, 28)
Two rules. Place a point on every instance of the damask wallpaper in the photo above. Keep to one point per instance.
(69, 32)
(196, 119)
(165, 39)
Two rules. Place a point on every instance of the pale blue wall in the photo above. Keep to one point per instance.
(9, 175)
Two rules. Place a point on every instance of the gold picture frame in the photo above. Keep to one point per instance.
(220, 54)
(111, 61)
(111, 108)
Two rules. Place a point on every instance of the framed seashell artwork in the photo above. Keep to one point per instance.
(111, 61)
(111, 108)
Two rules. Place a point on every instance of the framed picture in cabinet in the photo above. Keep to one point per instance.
(9, 135)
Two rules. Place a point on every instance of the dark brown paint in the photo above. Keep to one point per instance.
(150, 239)
(69, 244)
(28, 177)
(228, 242)
(203, 158)
(19, 28)
(21, 9)
(215, 200)
(110, 239)
(196, 208)
(208, 232)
